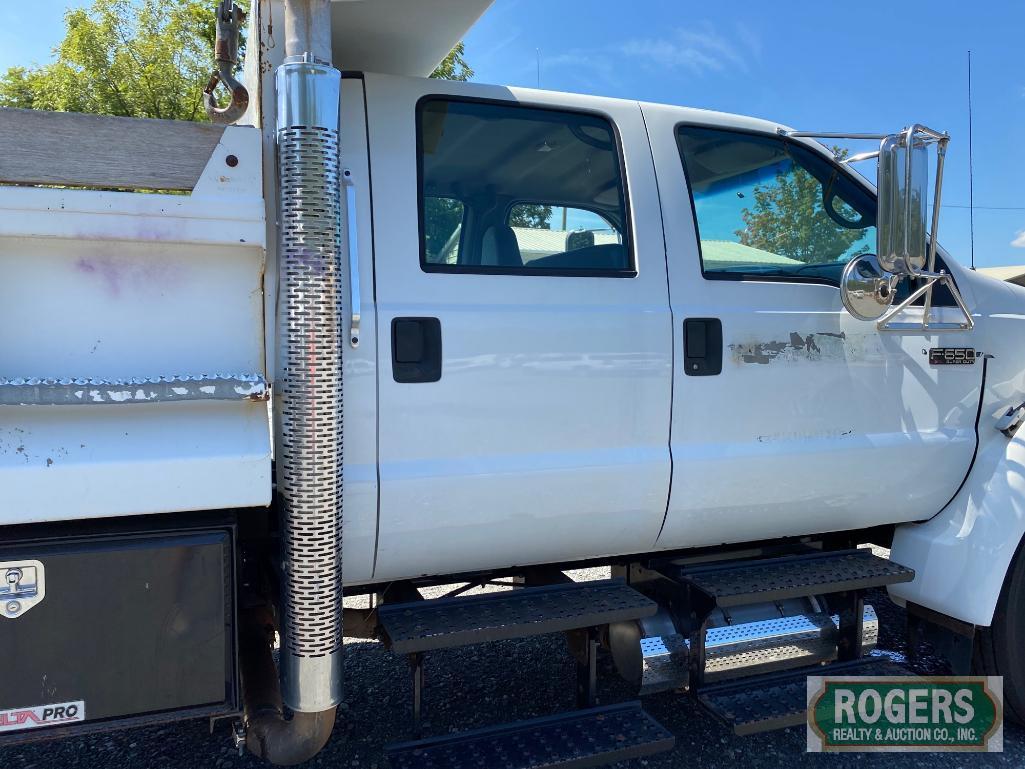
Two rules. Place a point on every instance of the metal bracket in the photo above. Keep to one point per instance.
(1009, 423)
(22, 586)
(886, 323)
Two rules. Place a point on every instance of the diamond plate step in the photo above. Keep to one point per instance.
(776, 701)
(446, 622)
(573, 740)
(776, 579)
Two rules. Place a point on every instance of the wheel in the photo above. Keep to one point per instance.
(998, 648)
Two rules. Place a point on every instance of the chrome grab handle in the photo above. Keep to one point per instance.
(350, 213)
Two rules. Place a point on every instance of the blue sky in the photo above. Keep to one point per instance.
(866, 66)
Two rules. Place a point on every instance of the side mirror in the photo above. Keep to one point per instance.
(868, 284)
(866, 289)
(903, 190)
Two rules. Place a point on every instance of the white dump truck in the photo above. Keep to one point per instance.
(371, 332)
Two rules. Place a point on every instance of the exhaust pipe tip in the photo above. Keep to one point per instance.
(270, 735)
(289, 742)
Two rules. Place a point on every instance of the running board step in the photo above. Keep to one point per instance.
(442, 623)
(776, 579)
(779, 700)
(580, 738)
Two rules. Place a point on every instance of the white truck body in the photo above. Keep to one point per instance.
(257, 386)
(564, 427)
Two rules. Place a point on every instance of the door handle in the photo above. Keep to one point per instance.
(702, 346)
(353, 229)
(415, 350)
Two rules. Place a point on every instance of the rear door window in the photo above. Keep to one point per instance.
(520, 190)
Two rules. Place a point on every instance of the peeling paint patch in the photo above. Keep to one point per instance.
(63, 392)
(805, 435)
(812, 347)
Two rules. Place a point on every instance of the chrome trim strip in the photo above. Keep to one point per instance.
(73, 392)
(732, 651)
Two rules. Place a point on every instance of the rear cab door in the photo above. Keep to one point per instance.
(524, 334)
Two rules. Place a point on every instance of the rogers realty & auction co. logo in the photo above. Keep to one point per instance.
(907, 714)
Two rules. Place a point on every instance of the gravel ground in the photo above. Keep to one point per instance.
(480, 685)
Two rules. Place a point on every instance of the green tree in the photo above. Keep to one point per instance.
(453, 66)
(788, 218)
(137, 58)
(532, 215)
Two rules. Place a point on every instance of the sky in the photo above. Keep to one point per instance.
(871, 66)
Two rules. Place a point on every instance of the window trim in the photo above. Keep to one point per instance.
(749, 276)
(470, 269)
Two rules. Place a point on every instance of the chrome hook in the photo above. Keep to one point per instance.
(229, 25)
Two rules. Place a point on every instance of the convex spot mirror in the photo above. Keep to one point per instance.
(866, 289)
(903, 190)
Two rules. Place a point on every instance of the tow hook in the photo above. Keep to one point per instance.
(230, 17)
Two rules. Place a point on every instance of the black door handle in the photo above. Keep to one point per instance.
(702, 346)
(416, 349)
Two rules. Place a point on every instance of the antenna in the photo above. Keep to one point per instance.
(538, 51)
(971, 166)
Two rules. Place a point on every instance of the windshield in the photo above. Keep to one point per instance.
(766, 206)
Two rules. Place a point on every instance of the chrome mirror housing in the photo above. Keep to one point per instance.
(903, 190)
(866, 289)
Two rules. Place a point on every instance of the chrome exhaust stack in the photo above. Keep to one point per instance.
(309, 382)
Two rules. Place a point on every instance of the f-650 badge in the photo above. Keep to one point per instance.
(952, 356)
(42, 715)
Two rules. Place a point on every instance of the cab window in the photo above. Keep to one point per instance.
(767, 208)
(519, 190)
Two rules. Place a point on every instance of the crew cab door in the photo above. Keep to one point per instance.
(790, 416)
(524, 334)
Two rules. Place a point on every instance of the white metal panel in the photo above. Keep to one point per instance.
(71, 462)
(961, 556)
(118, 286)
(822, 436)
(399, 37)
(359, 458)
(547, 437)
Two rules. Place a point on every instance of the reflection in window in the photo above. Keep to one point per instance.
(443, 225)
(768, 207)
(542, 231)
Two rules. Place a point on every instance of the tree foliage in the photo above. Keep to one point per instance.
(137, 58)
(532, 215)
(788, 218)
(453, 66)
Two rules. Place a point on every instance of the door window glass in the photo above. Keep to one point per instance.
(767, 207)
(443, 227)
(520, 190)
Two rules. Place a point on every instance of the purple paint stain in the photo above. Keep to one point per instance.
(118, 274)
(103, 269)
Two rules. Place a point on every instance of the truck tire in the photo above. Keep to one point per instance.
(998, 648)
